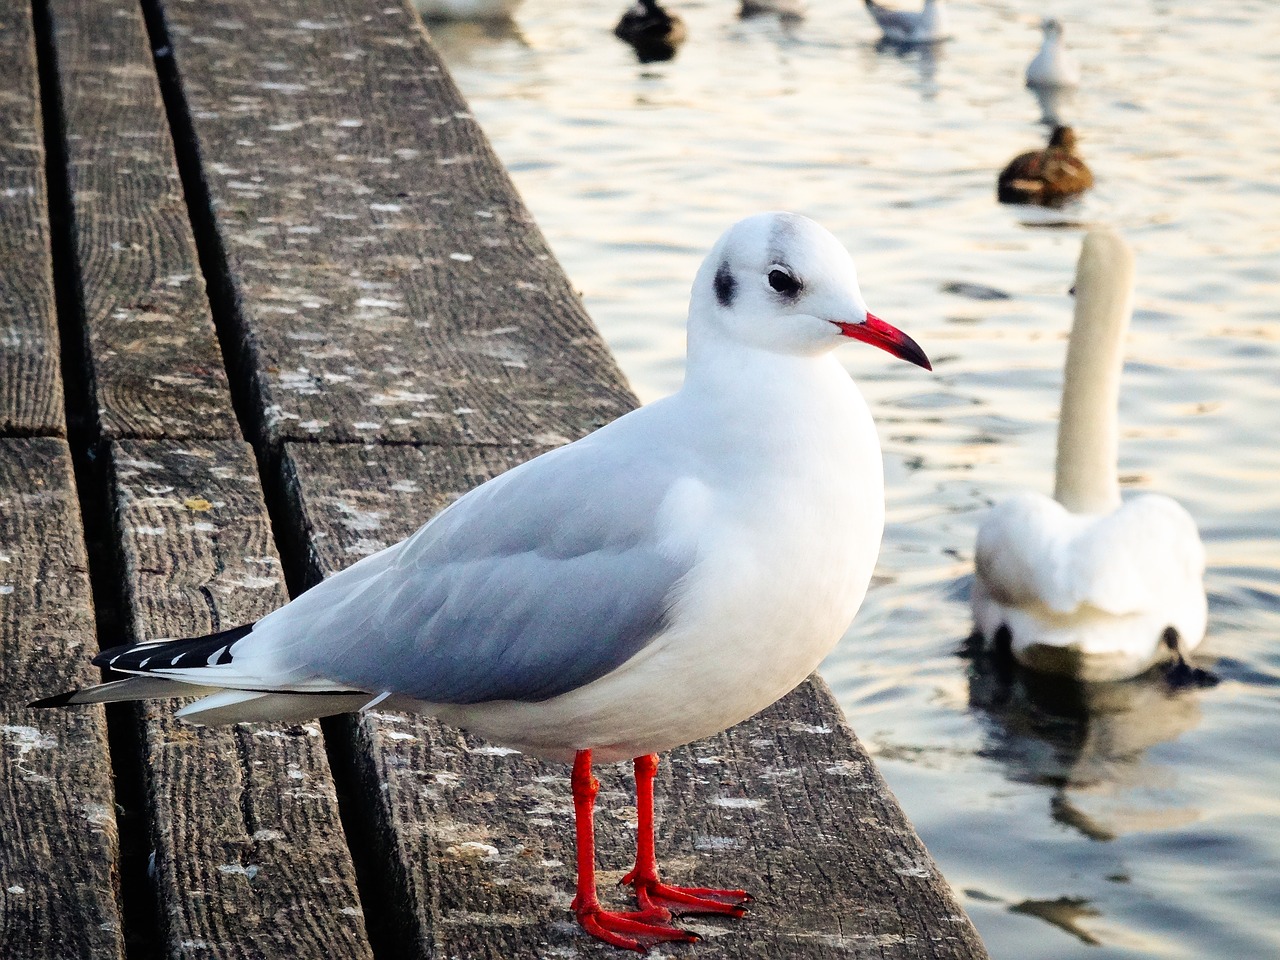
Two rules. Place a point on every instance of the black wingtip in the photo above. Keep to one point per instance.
(60, 700)
(134, 657)
(106, 656)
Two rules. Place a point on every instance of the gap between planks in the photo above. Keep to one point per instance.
(135, 897)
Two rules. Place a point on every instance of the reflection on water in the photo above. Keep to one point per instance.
(1123, 823)
(1085, 743)
(925, 57)
(458, 40)
(1065, 913)
(1055, 104)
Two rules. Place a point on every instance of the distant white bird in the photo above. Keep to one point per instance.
(655, 582)
(466, 9)
(928, 25)
(1083, 584)
(1053, 66)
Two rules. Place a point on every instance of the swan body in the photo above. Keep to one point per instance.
(1084, 584)
(1053, 66)
(1090, 595)
(927, 25)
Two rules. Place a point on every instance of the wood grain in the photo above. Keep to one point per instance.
(58, 842)
(787, 805)
(250, 857)
(390, 283)
(156, 367)
(30, 385)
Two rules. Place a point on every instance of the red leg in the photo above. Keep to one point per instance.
(658, 899)
(631, 931)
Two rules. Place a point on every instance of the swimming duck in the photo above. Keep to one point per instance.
(653, 31)
(927, 25)
(1085, 584)
(1053, 66)
(1045, 176)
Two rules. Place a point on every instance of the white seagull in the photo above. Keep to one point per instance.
(1053, 67)
(653, 583)
(928, 25)
(1083, 584)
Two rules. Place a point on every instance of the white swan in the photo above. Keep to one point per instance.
(1083, 584)
(1053, 66)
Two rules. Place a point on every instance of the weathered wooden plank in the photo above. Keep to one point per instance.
(30, 386)
(391, 282)
(787, 805)
(58, 846)
(251, 860)
(156, 365)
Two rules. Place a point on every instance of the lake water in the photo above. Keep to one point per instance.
(1141, 823)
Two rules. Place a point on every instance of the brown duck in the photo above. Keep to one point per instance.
(1045, 176)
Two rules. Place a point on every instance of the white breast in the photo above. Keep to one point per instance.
(785, 555)
(1052, 67)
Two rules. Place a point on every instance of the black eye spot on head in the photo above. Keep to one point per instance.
(784, 282)
(724, 284)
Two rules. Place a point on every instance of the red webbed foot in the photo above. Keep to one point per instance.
(657, 898)
(637, 930)
(631, 931)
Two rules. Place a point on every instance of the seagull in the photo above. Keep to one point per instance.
(1053, 66)
(1052, 75)
(651, 30)
(1047, 176)
(1084, 584)
(928, 25)
(653, 583)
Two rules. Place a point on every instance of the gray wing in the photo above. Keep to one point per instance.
(535, 583)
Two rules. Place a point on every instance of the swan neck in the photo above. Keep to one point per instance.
(1088, 429)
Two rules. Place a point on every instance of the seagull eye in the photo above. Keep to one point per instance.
(783, 282)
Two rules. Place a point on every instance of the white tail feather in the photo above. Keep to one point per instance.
(253, 706)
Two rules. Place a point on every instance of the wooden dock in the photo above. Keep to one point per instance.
(268, 301)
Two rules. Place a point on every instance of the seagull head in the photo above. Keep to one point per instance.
(1051, 27)
(780, 282)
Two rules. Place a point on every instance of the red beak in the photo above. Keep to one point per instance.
(887, 337)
